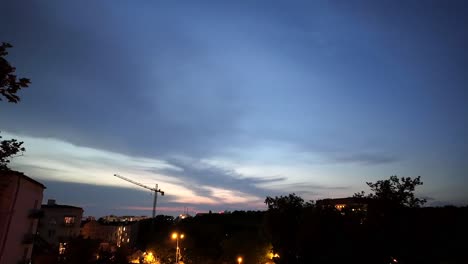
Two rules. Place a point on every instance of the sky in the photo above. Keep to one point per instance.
(222, 103)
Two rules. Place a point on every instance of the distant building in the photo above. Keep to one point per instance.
(125, 218)
(342, 204)
(59, 223)
(182, 217)
(115, 233)
(20, 199)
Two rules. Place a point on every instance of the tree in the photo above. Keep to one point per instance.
(9, 83)
(395, 191)
(282, 222)
(286, 203)
(8, 150)
(81, 251)
(9, 86)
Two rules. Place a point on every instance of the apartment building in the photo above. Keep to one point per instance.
(59, 223)
(116, 233)
(20, 199)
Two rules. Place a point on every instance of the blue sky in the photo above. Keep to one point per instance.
(223, 103)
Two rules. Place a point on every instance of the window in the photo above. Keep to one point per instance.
(69, 220)
(62, 247)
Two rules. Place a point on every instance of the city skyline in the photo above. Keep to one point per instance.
(224, 104)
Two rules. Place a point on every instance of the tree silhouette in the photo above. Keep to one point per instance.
(9, 83)
(8, 150)
(9, 86)
(282, 224)
(395, 191)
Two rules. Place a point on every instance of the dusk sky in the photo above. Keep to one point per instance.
(225, 102)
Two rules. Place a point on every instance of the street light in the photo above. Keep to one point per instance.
(239, 260)
(176, 236)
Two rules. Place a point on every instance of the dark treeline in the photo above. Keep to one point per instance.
(387, 225)
(306, 233)
(209, 238)
(297, 232)
(312, 234)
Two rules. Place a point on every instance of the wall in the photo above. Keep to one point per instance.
(19, 196)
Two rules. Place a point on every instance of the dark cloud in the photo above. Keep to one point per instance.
(198, 175)
(100, 88)
(104, 200)
(179, 80)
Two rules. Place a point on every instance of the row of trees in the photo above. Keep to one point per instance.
(292, 230)
(393, 229)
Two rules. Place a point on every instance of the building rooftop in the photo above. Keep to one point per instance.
(20, 174)
(51, 204)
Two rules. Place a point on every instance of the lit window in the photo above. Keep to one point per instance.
(69, 220)
(62, 247)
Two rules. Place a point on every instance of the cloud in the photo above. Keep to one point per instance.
(98, 200)
(202, 177)
(184, 180)
(363, 158)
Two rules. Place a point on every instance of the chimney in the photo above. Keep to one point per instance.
(51, 202)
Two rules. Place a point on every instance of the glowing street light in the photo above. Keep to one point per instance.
(239, 260)
(176, 236)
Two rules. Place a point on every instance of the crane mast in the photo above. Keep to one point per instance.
(155, 190)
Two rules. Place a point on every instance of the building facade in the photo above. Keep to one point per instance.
(59, 223)
(20, 199)
(115, 233)
(345, 204)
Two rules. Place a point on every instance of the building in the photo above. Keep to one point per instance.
(59, 223)
(20, 199)
(342, 204)
(125, 218)
(115, 233)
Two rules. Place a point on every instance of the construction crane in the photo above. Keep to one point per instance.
(155, 190)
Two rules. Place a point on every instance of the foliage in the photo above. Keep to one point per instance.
(9, 86)
(286, 203)
(81, 251)
(9, 83)
(117, 255)
(211, 238)
(8, 150)
(248, 244)
(282, 222)
(395, 191)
